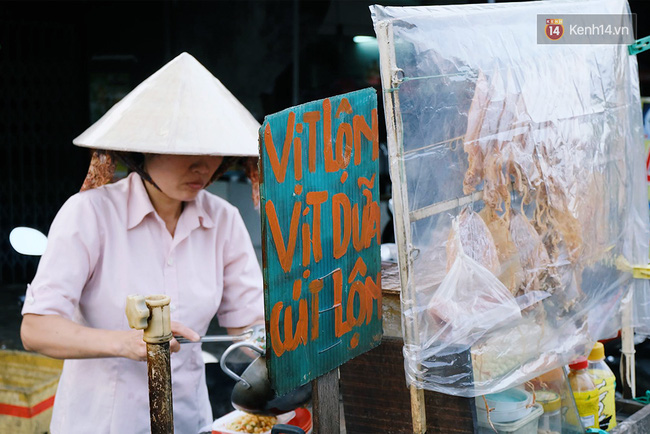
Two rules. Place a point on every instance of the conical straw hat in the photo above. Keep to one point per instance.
(180, 109)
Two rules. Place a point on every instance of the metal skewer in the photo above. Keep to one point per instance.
(253, 333)
(227, 338)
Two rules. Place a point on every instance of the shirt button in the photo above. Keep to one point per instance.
(29, 300)
(170, 262)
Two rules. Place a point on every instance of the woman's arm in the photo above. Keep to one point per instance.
(61, 338)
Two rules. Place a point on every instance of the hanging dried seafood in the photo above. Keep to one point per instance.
(531, 212)
(506, 158)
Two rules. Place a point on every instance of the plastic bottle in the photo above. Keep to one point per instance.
(605, 381)
(551, 421)
(584, 392)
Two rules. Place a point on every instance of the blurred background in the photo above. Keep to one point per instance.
(63, 64)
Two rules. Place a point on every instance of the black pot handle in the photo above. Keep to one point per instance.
(283, 428)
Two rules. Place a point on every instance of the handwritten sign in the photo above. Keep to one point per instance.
(321, 236)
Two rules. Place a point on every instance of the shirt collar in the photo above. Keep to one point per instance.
(195, 213)
(138, 202)
(139, 206)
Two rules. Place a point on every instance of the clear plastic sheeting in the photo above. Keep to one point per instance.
(641, 306)
(519, 188)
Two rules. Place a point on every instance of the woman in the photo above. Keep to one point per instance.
(155, 232)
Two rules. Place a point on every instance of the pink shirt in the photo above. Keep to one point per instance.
(107, 243)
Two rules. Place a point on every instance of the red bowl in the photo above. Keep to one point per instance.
(302, 419)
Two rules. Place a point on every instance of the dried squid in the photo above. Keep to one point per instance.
(475, 116)
(536, 263)
(471, 236)
(511, 273)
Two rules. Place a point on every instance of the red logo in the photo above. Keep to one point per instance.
(554, 29)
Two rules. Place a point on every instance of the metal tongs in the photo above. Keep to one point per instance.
(254, 333)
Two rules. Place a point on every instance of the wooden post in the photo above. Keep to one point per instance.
(325, 400)
(160, 389)
(151, 314)
(390, 83)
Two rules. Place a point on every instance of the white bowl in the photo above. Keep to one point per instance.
(508, 400)
(219, 425)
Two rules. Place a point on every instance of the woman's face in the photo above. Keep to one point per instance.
(181, 177)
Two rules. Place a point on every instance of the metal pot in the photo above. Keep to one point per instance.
(253, 393)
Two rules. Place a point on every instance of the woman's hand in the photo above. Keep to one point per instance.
(179, 329)
(132, 346)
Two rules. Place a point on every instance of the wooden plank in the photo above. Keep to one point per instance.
(321, 234)
(325, 400)
(447, 205)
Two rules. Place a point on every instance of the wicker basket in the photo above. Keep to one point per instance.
(27, 386)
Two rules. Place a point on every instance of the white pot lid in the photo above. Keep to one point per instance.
(181, 109)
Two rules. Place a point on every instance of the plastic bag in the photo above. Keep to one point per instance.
(543, 142)
(471, 301)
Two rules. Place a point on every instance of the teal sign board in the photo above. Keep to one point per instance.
(321, 236)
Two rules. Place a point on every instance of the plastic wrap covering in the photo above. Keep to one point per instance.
(641, 305)
(518, 182)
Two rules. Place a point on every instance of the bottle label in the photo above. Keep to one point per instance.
(606, 384)
(587, 404)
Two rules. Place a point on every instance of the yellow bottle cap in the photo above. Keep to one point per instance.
(597, 353)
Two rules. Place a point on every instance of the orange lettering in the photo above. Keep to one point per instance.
(297, 289)
(306, 245)
(311, 118)
(354, 341)
(301, 326)
(285, 253)
(360, 127)
(291, 340)
(340, 238)
(297, 158)
(359, 268)
(274, 330)
(331, 161)
(344, 156)
(372, 224)
(357, 236)
(374, 290)
(344, 107)
(356, 289)
(365, 305)
(280, 166)
(316, 198)
(314, 287)
(365, 182)
(340, 327)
